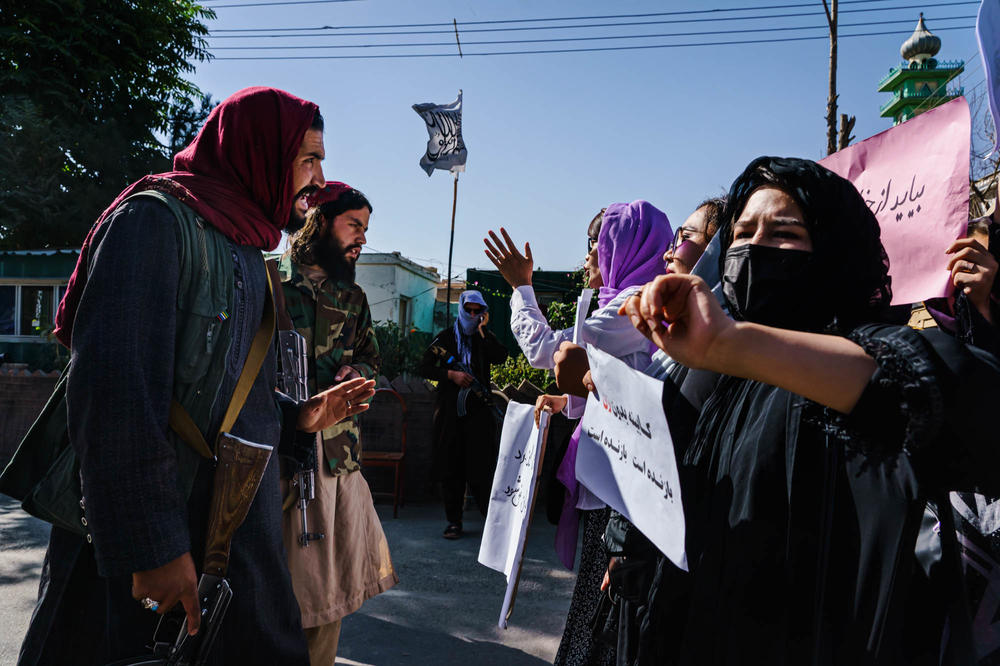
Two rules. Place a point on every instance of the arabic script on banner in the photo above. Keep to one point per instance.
(915, 179)
(626, 455)
(514, 486)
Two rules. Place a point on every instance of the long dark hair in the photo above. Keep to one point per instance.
(305, 243)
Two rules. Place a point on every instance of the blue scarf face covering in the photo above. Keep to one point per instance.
(466, 324)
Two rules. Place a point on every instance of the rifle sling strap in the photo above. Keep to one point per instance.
(284, 320)
(182, 423)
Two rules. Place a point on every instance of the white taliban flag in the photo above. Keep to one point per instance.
(445, 146)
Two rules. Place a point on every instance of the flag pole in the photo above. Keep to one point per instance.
(451, 242)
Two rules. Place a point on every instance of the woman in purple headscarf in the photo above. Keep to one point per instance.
(626, 243)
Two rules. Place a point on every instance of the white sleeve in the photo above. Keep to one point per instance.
(575, 407)
(614, 333)
(532, 331)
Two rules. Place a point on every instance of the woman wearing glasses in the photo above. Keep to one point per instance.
(626, 243)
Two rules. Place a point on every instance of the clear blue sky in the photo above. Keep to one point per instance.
(553, 138)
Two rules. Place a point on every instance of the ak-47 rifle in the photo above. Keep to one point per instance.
(239, 469)
(293, 381)
(477, 388)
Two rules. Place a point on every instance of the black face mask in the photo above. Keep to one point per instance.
(774, 287)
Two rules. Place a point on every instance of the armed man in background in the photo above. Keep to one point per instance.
(335, 574)
(163, 316)
(465, 421)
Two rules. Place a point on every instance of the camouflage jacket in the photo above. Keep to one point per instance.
(335, 321)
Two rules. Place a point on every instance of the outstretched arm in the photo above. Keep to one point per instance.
(680, 314)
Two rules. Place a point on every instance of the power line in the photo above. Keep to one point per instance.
(572, 39)
(943, 86)
(582, 50)
(572, 18)
(582, 25)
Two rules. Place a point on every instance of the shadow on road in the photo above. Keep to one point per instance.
(369, 640)
(18, 529)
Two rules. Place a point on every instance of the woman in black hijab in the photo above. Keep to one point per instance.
(806, 473)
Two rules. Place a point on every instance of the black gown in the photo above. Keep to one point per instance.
(802, 522)
(118, 395)
(466, 447)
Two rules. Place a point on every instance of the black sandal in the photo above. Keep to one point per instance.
(453, 531)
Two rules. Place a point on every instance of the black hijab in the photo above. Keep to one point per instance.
(852, 268)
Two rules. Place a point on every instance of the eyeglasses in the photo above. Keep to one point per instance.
(591, 244)
(683, 234)
(473, 310)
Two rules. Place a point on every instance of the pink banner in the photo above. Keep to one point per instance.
(915, 178)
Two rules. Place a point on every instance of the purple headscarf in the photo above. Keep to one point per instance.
(630, 249)
(630, 246)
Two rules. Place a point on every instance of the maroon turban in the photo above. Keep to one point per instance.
(330, 193)
(236, 174)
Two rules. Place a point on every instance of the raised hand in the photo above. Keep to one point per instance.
(681, 316)
(336, 404)
(973, 270)
(513, 266)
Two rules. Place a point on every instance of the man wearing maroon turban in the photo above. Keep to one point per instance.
(167, 296)
(332, 577)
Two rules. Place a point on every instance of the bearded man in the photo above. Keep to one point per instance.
(335, 575)
(168, 293)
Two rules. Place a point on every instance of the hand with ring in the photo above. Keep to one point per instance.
(973, 270)
(176, 582)
(336, 404)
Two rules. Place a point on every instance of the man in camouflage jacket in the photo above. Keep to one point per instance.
(333, 576)
(336, 323)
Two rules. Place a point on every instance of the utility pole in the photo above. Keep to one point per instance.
(833, 144)
(831, 102)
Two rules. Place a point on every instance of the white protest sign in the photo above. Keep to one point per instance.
(582, 306)
(626, 454)
(522, 445)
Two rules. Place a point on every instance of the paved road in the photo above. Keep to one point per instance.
(444, 610)
(22, 547)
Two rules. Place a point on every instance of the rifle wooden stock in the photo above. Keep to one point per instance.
(239, 469)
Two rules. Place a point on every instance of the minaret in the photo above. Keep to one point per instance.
(920, 83)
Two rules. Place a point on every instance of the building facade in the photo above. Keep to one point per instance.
(31, 284)
(399, 291)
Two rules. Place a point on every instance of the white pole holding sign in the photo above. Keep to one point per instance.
(626, 454)
(582, 307)
(522, 445)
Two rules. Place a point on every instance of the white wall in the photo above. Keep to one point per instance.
(387, 277)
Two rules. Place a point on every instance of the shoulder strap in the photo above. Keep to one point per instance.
(284, 320)
(180, 421)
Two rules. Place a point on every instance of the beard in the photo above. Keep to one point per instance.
(331, 256)
(296, 218)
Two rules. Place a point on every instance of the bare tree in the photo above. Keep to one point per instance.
(846, 122)
(831, 102)
(984, 168)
